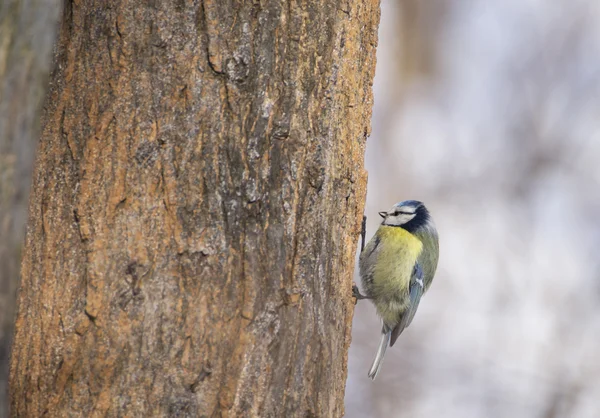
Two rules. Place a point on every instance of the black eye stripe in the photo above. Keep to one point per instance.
(403, 213)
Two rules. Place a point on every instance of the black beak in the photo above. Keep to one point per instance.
(383, 214)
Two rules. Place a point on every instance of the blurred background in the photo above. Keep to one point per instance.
(489, 112)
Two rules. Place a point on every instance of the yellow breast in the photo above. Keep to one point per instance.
(397, 256)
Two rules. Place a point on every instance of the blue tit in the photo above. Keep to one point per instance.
(397, 267)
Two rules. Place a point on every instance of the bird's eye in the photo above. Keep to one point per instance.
(400, 212)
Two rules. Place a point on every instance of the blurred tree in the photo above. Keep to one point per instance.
(195, 209)
(27, 30)
(412, 29)
(420, 24)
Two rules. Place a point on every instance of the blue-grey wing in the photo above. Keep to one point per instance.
(417, 288)
(415, 291)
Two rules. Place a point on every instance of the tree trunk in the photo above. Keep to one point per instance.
(26, 37)
(195, 210)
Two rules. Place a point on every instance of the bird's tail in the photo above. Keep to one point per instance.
(378, 361)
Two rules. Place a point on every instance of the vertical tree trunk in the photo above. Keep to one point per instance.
(196, 206)
(26, 36)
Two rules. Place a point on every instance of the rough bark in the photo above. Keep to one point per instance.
(195, 210)
(27, 30)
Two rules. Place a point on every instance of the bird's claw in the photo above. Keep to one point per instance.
(356, 294)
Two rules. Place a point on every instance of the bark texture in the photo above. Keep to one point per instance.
(195, 211)
(27, 31)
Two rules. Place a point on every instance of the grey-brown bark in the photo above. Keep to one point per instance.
(27, 30)
(196, 205)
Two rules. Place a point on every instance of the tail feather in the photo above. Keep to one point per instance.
(378, 361)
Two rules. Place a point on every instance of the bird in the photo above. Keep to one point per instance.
(396, 268)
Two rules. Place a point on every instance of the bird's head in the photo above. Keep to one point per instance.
(410, 215)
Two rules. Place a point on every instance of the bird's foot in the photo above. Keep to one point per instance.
(357, 295)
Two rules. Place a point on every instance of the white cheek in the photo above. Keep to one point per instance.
(405, 218)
